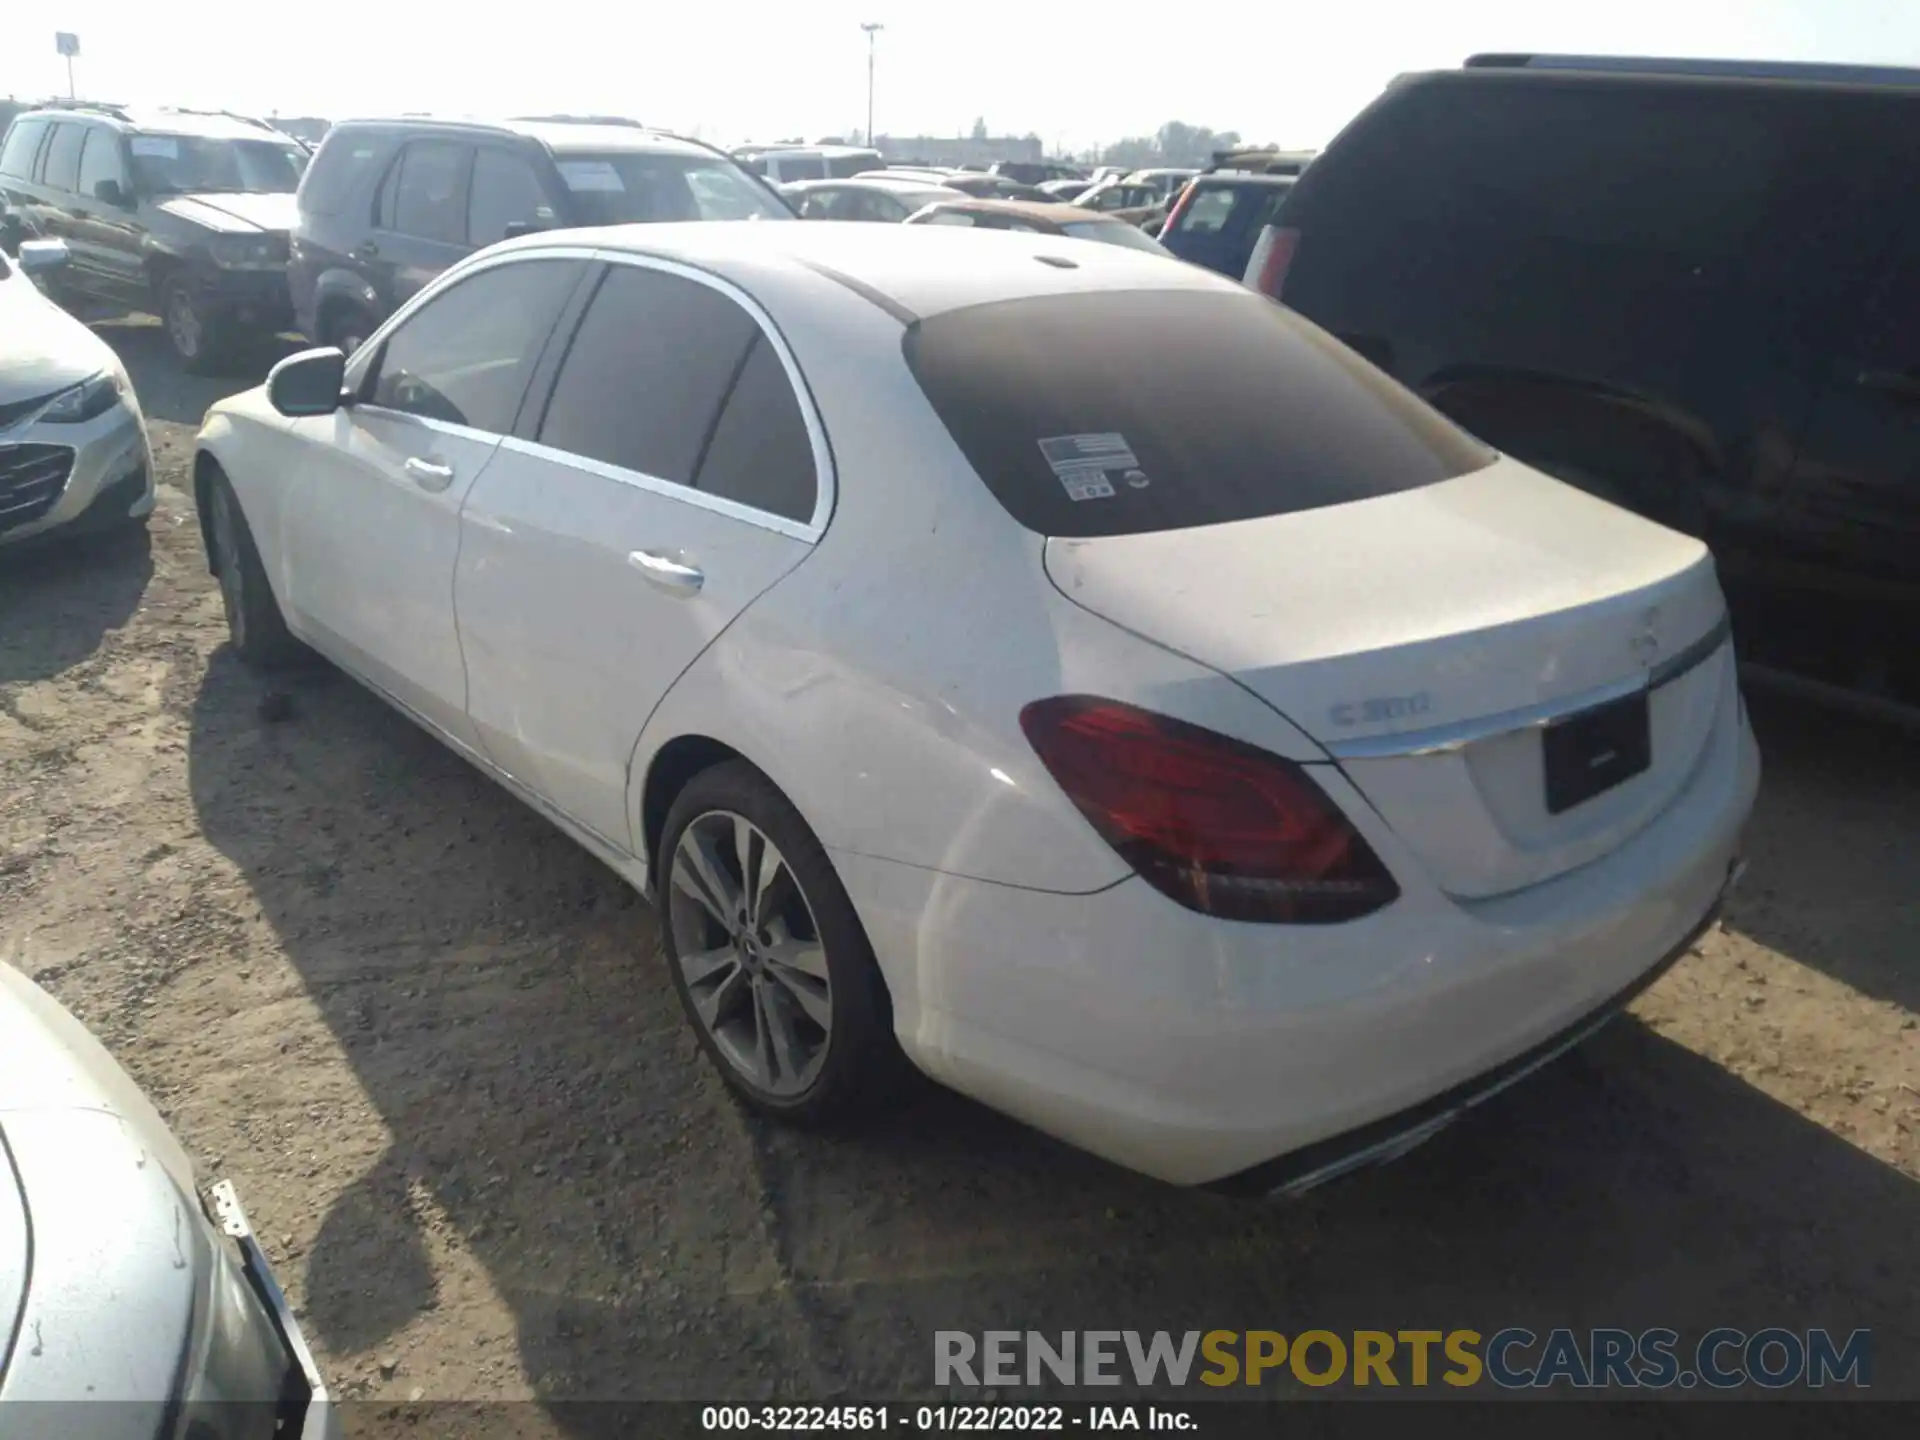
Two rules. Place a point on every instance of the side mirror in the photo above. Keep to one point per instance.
(308, 383)
(37, 257)
(110, 192)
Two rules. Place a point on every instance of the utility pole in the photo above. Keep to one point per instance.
(873, 28)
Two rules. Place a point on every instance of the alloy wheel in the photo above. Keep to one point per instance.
(184, 329)
(750, 953)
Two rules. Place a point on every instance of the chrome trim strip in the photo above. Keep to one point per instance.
(1445, 739)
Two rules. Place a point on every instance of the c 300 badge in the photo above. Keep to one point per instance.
(1381, 709)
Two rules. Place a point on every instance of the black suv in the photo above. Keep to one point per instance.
(388, 204)
(177, 212)
(1691, 287)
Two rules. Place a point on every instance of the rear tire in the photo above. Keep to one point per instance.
(346, 328)
(255, 626)
(788, 952)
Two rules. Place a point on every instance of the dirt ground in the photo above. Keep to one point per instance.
(434, 1046)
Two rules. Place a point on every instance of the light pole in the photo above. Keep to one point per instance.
(873, 28)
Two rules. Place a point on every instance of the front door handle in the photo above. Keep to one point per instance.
(429, 474)
(366, 250)
(667, 573)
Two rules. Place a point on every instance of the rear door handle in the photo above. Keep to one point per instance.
(429, 474)
(1902, 384)
(667, 573)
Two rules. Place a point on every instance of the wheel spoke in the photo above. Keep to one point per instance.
(782, 1042)
(717, 1002)
(704, 965)
(809, 994)
(696, 873)
(763, 1038)
(809, 957)
(760, 893)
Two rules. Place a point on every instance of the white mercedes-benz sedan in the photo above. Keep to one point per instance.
(1047, 661)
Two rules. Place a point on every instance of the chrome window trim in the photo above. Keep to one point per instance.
(826, 478)
(1446, 739)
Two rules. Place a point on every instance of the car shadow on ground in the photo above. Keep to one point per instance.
(1850, 907)
(500, 999)
(168, 392)
(91, 585)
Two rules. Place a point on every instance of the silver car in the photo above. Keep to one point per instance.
(73, 445)
(118, 1281)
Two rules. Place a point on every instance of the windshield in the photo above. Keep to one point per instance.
(1114, 232)
(623, 188)
(195, 164)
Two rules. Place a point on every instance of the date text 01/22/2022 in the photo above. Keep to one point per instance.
(785, 1419)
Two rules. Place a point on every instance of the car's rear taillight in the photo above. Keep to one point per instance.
(1219, 825)
(1272, 257)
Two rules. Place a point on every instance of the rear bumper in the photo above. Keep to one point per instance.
(1195, 1050)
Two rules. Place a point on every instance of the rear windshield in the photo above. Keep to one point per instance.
(1125, 412)
(1113, 232)
(631, 186)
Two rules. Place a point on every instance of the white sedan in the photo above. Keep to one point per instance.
(1199, 749)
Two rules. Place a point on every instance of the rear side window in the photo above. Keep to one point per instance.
(426, 192)
(344, 164)
(1238, 409)
(643, 380)
(760, 453)
(22, 144)
(62, 170)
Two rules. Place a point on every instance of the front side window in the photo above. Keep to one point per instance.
(62, 170)
(100, 161)
(465, 356)
(199, 165)
(636, 186)
(425, 196)
(504, 191)
(1238, 409)
(1207, 212)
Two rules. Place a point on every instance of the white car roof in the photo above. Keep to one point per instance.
(915, 271)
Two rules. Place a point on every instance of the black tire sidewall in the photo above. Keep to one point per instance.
(267, 641)
(863, 1064)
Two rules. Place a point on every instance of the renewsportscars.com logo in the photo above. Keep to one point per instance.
(1511, 1359)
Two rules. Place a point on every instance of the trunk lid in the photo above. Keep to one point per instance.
(1428, 638)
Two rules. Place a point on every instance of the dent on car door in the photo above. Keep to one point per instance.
(373, 522)
(670, 479)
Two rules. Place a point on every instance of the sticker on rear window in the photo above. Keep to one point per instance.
(1087, 464)
(163, 146)
(591, 175)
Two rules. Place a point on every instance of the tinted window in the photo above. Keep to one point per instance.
(62, 170)
(1207, 212)
(646, 372)
(426, 198)
(635, 185)
(504, 190)
(800, 167)
(22, 144)
(760, 453)
(100, 160)
(1237, 409)
(197, 165)
(840, 167)
(346, 158)
(464, 357)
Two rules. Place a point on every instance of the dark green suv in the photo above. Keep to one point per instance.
(181, 213)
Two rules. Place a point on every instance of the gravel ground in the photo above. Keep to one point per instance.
(435, 1046)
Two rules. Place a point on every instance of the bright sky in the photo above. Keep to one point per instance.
(768, 69)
